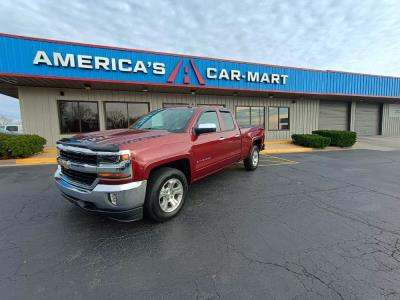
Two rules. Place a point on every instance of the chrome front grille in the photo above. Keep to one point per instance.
(79, 177)
(79, 157)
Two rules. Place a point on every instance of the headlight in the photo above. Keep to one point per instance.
(107, 159)
(112, 158)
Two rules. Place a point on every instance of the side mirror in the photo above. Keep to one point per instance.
(205, 128)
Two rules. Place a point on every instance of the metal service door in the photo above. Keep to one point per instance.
(333, 115)
(368, 118)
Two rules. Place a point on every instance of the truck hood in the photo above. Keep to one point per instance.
(110, 140)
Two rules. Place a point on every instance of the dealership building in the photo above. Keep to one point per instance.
(66, 88)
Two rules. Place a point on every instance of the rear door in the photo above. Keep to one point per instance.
(231, 143)
(207, 147)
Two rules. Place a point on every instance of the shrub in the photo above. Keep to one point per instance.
(340, 138)
(311, 140)
(20, 145)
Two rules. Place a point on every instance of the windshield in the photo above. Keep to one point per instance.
(170, 119)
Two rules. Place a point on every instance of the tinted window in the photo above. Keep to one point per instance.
(257, 116)
(116, 115)
(273, 117)
(209, 117)
(228, 120)
(78, 116)
(250, 115)
(243, 115)
(124, 114)
(166, 105)
(69, 117)
(283, 118)
(135, 111)
(278, 118)
(89, 116)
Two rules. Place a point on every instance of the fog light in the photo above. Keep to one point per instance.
(113, 198)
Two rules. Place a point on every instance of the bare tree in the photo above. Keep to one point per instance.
(4, 120)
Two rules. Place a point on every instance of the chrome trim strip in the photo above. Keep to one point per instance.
(109, 188)
(106, 168)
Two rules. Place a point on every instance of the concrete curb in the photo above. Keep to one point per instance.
(36, 161)
(47, 157)
(286, 150)
(278, 142)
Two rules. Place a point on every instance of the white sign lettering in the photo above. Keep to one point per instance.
(89, 62)
(130, 65)
(236, 75)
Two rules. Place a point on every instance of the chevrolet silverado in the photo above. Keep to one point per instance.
(147, 168)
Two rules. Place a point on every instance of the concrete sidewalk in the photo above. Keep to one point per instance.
(283, 146)
(379, 143)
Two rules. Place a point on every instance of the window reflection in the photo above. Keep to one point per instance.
(78, 116)
(124, 114)
(250, 115)
(278, 118)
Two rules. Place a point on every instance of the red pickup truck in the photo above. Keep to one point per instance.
(148, 167)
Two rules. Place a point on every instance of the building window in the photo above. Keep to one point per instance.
(166, 105)
(228, 121)
(78, 116)
(250, 115)
(217, 105)
(278, 118)
(124, 114)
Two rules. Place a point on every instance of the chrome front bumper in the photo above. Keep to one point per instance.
(130, 197)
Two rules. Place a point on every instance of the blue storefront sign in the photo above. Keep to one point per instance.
(21, 56)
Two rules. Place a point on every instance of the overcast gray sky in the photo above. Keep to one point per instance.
(360, 36)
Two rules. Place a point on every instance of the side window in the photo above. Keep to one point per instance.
(209, 117)
(228, 120)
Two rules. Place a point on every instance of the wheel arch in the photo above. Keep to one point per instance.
(182, 164)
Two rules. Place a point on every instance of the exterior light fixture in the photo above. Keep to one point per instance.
(87, 87)
(271, 96)
(144, 90)
(235, 93)
(192, 92)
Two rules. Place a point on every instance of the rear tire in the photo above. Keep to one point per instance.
(251, 162)
(166, 193)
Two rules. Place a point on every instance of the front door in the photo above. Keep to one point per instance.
(207, 152)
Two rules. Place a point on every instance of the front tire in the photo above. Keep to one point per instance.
(166, 194)
(251, 162)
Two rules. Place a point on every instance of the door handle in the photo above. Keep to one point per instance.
(221, 138)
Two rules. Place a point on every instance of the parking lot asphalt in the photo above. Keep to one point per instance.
(325, 226)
